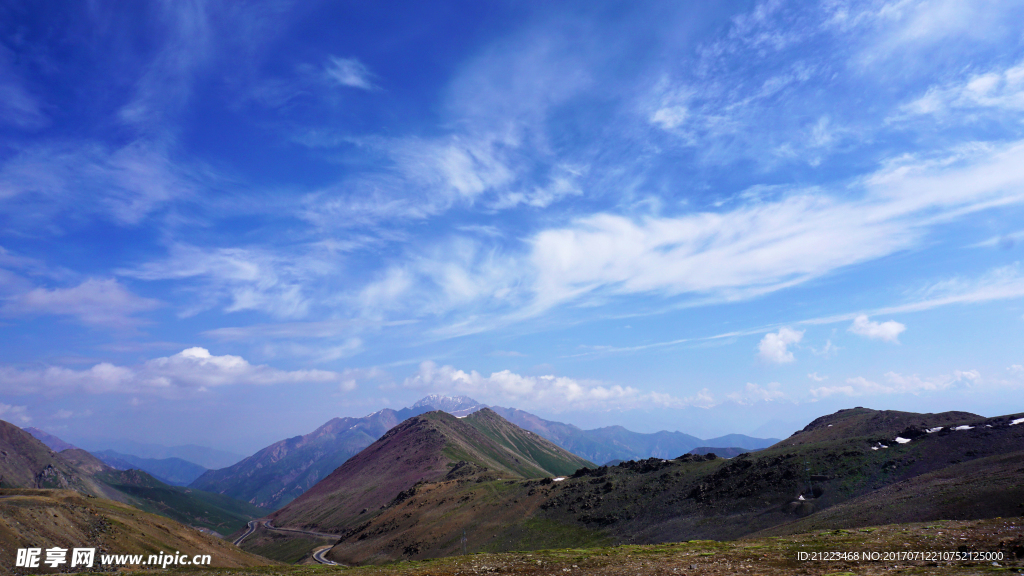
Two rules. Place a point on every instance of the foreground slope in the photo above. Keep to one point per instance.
(694, 497)
(423, 449)
(67, 519)
(763, 557)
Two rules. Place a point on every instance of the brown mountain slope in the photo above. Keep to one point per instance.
(67, 519)
(423, 449)
(25, 462)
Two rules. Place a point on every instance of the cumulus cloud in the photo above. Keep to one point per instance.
(888, 331)
(896, 383)
(19, 413)
(349, 72)
(774, 347)
(191, 370)
(97, 302)
(551, 392)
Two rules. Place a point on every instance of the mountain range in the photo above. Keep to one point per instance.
(416, 491)
(279, 473)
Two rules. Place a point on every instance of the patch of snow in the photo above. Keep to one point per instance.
(801, 497)
(1017, 421)
(874, 447)
(964, 427)
(880, 445)
(902, 440)
(460, 416)
(559, 479)
(933, 430)
(988, 425)
(829, 425)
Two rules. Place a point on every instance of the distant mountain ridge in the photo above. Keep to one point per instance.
(209, 458)
(279, 473)
(173, 471)
(51, 441)
(454, 405)
(617, 443)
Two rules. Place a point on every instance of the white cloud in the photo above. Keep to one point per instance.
(774, 347)
(753, 393)
(1000, 90)
(249, 278)
(191, 370)
(97, 302)
(19, 413)
(896, 383)
(551, 392)
(349, 72)
(888, 331)
(814, 376)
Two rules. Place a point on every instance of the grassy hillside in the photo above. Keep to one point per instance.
(215, 512)
(67, 519)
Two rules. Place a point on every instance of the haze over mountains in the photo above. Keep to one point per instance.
(279, 473)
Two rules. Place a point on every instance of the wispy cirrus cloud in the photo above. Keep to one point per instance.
(246, 278)
(75, 181)
(95, 302)
(349, 72)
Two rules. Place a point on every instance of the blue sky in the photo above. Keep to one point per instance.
(224, 223)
